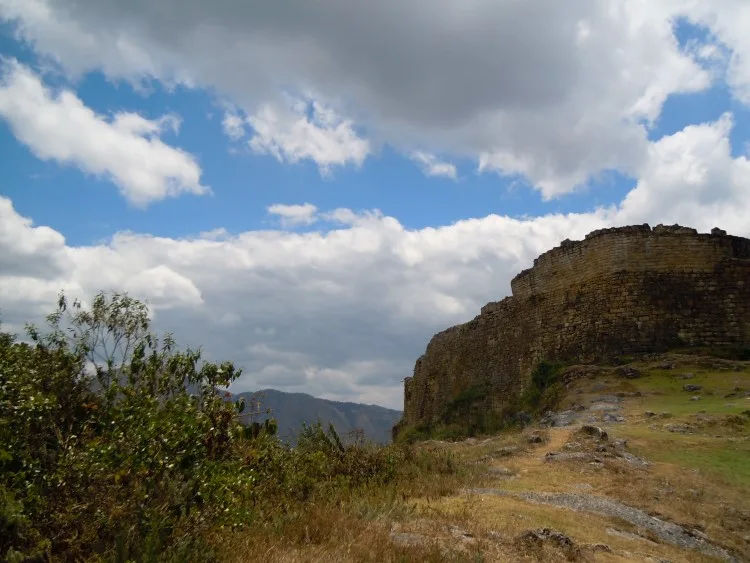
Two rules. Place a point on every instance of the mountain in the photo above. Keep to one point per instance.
(292, 409)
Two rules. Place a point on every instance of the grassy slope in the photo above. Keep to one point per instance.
(699, 479)
(711, 446)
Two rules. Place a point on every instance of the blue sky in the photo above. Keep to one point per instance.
(315, 202)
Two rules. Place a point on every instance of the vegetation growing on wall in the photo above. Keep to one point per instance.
(545, 389)
(467, 414)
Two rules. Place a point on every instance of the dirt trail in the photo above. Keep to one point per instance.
(557, 439)
(666, 531)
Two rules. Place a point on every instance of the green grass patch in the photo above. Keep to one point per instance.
(663, 391)
(724, 458)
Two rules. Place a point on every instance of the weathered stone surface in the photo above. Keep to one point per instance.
(537, 538)
(594, 431)
(618, 292)
(610, 418)
(564, 418)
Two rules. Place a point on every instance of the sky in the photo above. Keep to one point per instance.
(313, 189)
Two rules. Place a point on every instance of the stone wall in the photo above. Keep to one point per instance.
(619, 291)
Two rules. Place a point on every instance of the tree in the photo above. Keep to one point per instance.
(101, 441)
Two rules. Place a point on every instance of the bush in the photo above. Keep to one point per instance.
(115, 445)
(545, 390)
(104, 449)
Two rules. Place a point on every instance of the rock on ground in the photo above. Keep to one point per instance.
(666, 531)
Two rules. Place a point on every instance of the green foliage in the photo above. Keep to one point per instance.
(545, 390)
(465, 400)
(117, 446)
(414, 434)
(466, 414)
(319, 466)
(104, 449)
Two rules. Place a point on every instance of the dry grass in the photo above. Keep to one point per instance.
(504, 519)
(431, 518)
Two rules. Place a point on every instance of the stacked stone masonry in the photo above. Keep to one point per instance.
(620, 291)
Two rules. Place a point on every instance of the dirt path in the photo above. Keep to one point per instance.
(557, 439)
(666, 531)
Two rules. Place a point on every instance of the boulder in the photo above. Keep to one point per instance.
(536, 438)
(594, 431)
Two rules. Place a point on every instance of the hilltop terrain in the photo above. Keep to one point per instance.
(620, 291)
(648, 461)
(644, 458)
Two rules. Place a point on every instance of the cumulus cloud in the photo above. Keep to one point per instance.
(547, 90)
(165, 287)
(432, 166)
(233, 125)
(727, 21)
(344, 312)
(554, 92)
(290, 134)
(692, 177)
(127, 148)
(28, 250)
(294, 215)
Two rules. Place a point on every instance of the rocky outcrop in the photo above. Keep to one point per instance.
(619, 291)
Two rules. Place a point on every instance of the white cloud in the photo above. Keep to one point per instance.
(691, 177)
(294, 215)
(345, 312)
(165, 287)
(548, 90)
(215, 234)
(289, 134)
(432, 166)
(28, 250)
(728, 22)
(233, 125)
(555, 92)
(126, 149)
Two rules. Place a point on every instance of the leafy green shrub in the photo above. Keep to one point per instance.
(462, 403)
(465, 415)
(104, 449)
(414, 434)
(115, 445)
(545, 390)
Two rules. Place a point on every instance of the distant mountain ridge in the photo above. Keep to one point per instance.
(292, 409)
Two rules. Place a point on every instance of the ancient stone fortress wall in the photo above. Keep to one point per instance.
(620, 291)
